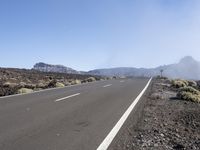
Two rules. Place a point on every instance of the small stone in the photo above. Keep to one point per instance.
(165, 124)
(155, 145)
(162, 135)
(186, 129)
(177, 135)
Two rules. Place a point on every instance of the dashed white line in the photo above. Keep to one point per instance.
(107, 141)
(122, 81)
(67, 97)
(107, 85)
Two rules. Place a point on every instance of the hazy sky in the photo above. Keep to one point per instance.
(89, 34)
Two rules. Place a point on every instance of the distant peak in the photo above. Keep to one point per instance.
(187, 59)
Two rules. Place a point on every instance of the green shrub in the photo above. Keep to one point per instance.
(22, 84)
(58, 84)
(192, 83)
(179, 83)
(189, 93)
(30, 86)
(188, 96)
(52, 84)
(8, 84)
(189, 89)
(40, 85)
(185, 81)
(75, 82)
(66, 83)
(24, 91)
(90, 79)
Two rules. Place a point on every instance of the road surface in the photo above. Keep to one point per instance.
(71, 118)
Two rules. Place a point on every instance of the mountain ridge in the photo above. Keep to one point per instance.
(186, 68)
(44, 67)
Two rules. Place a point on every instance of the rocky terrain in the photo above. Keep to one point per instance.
(165, 122)
(186, 68)
(16, 81)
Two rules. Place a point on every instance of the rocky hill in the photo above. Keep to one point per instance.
(186, 68)
(43, 67)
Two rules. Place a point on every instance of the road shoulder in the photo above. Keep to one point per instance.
(160, 122)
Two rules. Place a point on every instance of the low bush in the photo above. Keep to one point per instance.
(75, 82)
(179, 83)
(30, 86)
(66, 83)
(192, 83)
(22, 84)
(189, 89)
(52, 84)
(189, 96)
(24, 90)
(40, 85)
(90, 79)
(58, 84)
(8, 84)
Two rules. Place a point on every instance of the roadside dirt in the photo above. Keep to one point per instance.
(12, 79)
(163, 122)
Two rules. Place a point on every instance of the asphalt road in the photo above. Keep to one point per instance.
(70, 118)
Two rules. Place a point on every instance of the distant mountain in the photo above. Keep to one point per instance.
(187, 68)
(54, 68)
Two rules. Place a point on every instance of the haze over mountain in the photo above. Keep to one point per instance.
(186, 68)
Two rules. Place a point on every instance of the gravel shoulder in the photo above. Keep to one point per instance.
(161, 121)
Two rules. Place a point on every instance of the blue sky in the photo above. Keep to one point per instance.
(89, 34)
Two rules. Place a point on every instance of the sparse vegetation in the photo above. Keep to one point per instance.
(76, 81)
(13, 80)
(58, 84)
(40, 85)
(90, 79)
(192, 83)
(8, 84)
(188, 96)
(187, 90)
(179, 83)
(24, 91)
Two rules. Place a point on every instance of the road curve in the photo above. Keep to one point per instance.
(70, 118)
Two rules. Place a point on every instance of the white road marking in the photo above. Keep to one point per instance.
(122, 81)
(107, 85)
(67, 97)
(107, 141)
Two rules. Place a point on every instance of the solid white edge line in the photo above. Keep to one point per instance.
(107, 85)
(107, 141)
(67, 97)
